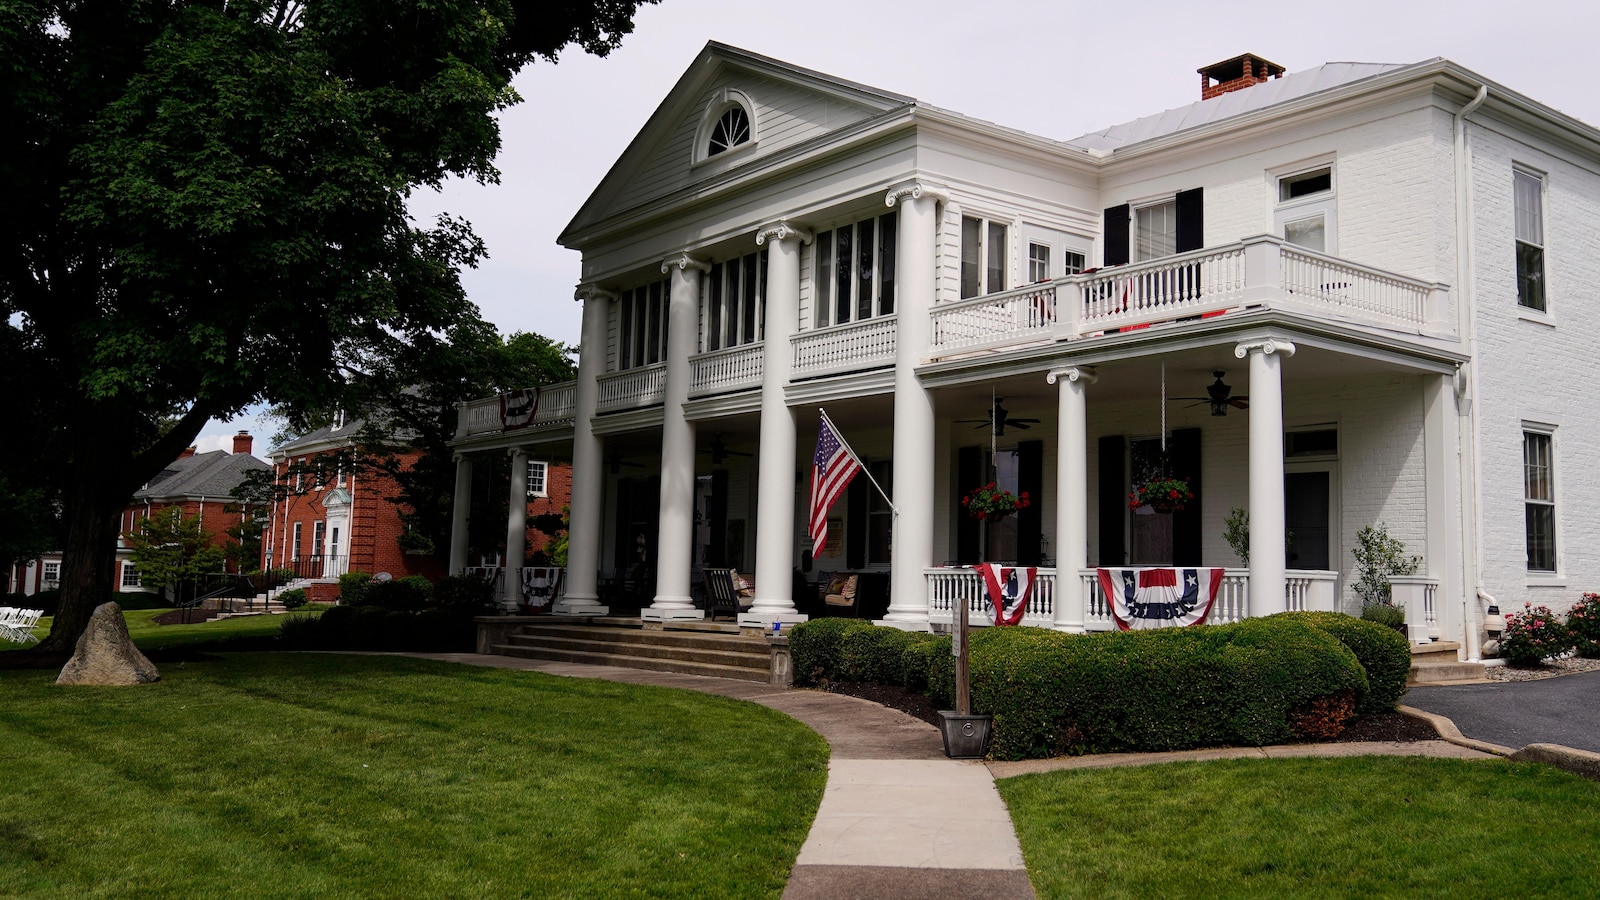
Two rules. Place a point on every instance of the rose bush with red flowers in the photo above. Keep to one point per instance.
(1534, 635)
(994, 502)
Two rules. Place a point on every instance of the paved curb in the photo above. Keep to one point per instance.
(1449, 732)
(1578, 762)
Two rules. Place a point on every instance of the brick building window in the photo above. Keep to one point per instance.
(130, 575)
(52, 573)
(1539, 500)
(538, 479)
(1528, 188)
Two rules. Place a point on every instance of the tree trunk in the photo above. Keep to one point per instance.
(92, 520)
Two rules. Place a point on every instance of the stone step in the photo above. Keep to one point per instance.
(1429, 671)
(636, 637)
(750, 657)
(1435, 647)
(681, 667)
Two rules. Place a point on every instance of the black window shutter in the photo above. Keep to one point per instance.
(1030, 521)
(1113, 501)
(1183, 461)
(855, 528)
(717, 555)
(1191, 221)
(1116, 235)
(969, 475)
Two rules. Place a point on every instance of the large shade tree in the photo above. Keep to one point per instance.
(206, 209)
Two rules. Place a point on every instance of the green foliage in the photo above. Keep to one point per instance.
(292, 599)
(353, 587)
(1384, 654)
(1533, 636)
(466, 593)
(41, 600)
(1583, 620)
(406, 594)
(1236, 531)
(817, 648)
(172, 550)
(1377, 557)
(374, 628)
(1387, 616)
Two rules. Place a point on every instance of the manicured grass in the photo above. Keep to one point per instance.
(324, 775)
(150, 636)
(1357, 827)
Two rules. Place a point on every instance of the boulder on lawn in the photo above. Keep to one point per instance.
(106, 655)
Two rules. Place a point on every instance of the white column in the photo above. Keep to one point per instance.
(516, 530)
(459, 512)
(580, 594)
(1072, 497)
(675, 544)
(1443, 561)
(1266, 473)
(916, 259)
(775, 535)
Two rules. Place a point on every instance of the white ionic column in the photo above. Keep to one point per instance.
(1441, 476)
(1266, 473)
(916, 259)
(1072, 497)
(516, 530)
(774, 599)
(675, 544)
(460, 509)
(580, 594)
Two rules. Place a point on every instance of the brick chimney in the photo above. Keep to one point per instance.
(1236, 74)
(187, 452)
(242, 442)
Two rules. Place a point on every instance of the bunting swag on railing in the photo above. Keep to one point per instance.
(1160, 598)
(517, 408)
(1007, 591)
(540, 587)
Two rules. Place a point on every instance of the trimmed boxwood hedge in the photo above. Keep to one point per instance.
(1053, 693)
(1383, 652)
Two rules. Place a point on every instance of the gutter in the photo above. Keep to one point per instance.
(1471, 499)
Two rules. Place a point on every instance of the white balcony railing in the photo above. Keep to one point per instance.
(948, 587)
(632, 388)
(557, 403)
(1359, 292)
(845, 348)
(732, 369)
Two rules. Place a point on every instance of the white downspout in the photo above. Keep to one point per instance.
(1472, 538)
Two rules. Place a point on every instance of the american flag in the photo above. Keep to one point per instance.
(831, 471)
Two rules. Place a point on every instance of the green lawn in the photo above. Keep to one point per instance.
(150, 636)
(1359, 827)
(325, 775)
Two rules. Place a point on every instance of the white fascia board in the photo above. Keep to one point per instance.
(722, 405)
(624, 422)
(840, 387)
(505, 440)
(1007, 142)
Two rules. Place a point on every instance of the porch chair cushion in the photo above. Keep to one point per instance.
(842, 591)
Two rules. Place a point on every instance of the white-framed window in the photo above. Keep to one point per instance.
(1073, 262)
(1038, 263)
(1528, 188)
(643, 326)
(729, 125)
(983, 256)
(1306, 212)
(130, 575)
(338, 475)
(731, 130)
(736, 292)
(1155, 230)
(52, 573)
(294, 548)
(538, 475)
(299, 475)
(855, 270)
(1539, 498)
(319, 531)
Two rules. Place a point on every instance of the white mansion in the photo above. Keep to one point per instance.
(1353, 295)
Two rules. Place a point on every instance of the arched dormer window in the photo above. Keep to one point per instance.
(729, 125)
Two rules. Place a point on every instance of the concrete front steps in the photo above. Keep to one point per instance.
(1436, 663)
(698, 648)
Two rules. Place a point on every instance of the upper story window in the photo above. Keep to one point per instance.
(1305, 212)
(642, 331)
(1529, 190)
(130, 575)
(731, 130)
(538, 482)
(855, 269)
(1539, 500)
(1042, 264)
(983, 256)
(1154, 228)
(728, 124)
(736, 293)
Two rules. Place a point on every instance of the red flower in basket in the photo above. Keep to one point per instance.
(1161, 494)
(993, 502)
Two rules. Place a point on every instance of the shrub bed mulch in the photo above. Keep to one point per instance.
(1384, 726)
(186, 616)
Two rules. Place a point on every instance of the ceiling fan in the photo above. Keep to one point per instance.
(999, 418)
(1219, 396)
(720, 451)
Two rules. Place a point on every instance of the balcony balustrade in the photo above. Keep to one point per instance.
(866, 344)
(722, 371)
(632, 388)
(556, 406)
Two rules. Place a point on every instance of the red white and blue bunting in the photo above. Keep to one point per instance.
(540, 587)
(517, 408)
(1160, 598)
(1006, 591)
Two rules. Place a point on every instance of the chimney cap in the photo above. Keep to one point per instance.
(1230, 69)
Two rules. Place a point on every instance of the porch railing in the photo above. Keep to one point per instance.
(557, 405)
(845, 348)
(948, 587)
(632, 388)
(732, 369)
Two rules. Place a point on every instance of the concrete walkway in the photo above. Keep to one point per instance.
(899, 819)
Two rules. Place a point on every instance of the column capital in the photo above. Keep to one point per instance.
(915, 189)
(458, 457)
(514, 452)
(684, 262)
(781, 230)
(1085, 374)
(1267, 346)
(591, 291)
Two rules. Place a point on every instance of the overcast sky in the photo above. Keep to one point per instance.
(1056, 69)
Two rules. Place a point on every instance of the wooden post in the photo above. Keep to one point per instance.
(963, 691)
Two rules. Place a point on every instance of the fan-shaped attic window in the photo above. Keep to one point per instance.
(731, 130)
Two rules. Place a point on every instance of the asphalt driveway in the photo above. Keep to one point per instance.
(1564, 710)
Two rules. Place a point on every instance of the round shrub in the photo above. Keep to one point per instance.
(366, 628)
(1583, 620)
(1534, 635)
(816, 647)
(353, 588)
(443, 630)
(468, 594)
(406, 594)
(293, 599)
(1384, 654)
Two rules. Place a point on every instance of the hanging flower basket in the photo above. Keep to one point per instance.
(993, 503)
(1161, 494)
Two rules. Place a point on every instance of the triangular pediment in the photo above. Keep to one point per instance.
(789, 107)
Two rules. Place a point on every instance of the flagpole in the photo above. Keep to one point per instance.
(862, 466)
